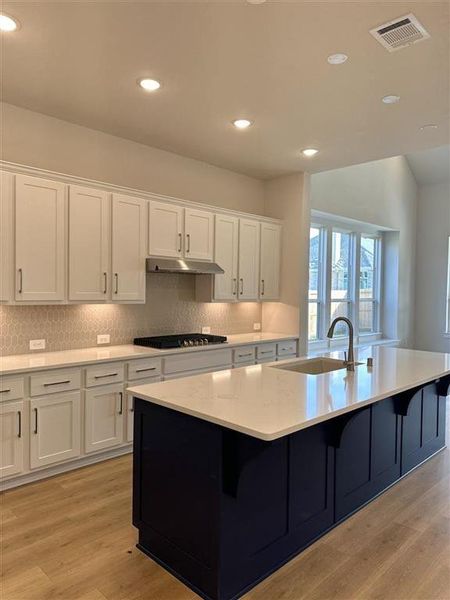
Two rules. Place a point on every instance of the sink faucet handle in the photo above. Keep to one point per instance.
(345, 356)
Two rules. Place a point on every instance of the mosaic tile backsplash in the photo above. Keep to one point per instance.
(170, 308)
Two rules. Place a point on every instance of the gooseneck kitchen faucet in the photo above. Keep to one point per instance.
(350, 360)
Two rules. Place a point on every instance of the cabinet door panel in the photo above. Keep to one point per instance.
(40, 239)
(249, 235)
(165, 229)
(311, 467)
(6, 234)
(199, 234)
(54, 429)
(130, 407)
(104, 409)
(11, 440)
(226, 256)
(423, 428)
(270, 261)
(128, 248)
(88, 244)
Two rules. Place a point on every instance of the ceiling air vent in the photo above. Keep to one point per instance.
(400, 33)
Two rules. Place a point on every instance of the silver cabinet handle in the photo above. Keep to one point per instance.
(180, 242)
(188, 243)
(263, 287)
(57, 383)
(121, 403)
(5, 391)
(116, 277)
(242, 285)
(146, 369)
(267, 352)
(245, 355)
(234, 286)
(20, 272)
(105, 282)
(35, 420)
(106, 375)
(19, 416)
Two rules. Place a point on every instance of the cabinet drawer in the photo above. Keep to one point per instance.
(55, 381)
(210, 360)
(287, 348)
(266, 352)
(144, 368)
(11, 388)
(244, 354)
(104, 374)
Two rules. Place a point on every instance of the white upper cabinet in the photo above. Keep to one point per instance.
(129, 223)
(226, 256)
(270, 261)
(249, 247)
(199, 234)
(89, 243)
(165, 229)
(6, 228)
(40, 239)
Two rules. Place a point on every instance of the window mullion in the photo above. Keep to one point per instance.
(355, 269)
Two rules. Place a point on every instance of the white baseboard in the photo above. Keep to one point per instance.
(64, 467)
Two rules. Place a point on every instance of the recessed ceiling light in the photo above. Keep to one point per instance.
(428, 126)
(392, 99)
(309, 152)
(149, 85)
(242, 123)
(7, 23)
(337, 59)
(256, 1)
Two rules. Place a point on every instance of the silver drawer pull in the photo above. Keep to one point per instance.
(266, 352)
(5, 391)
(57, 383)
(146, 369)
(106, 375)
(286, 349)
(245, 355)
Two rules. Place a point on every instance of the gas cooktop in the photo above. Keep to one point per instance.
(184, 340)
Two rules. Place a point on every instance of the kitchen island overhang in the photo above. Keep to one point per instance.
(222, 509)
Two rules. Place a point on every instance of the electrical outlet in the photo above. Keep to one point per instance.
(256, 326)
(206, 330)
(105, 338)
(37, 344)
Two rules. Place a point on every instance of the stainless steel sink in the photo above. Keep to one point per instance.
(314, 366)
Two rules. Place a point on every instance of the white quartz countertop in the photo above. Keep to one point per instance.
(268, 403)
(21, 363)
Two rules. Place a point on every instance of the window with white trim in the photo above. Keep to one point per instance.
(344, 280)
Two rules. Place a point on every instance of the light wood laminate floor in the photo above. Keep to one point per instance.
(70, 537)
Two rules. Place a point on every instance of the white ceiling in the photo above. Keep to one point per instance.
(431, 166)
(79, 61)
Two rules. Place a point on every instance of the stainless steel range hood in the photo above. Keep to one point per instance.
(182, 265)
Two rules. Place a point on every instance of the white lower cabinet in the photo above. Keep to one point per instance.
(11, 440)
(103, 417)
(55, 423)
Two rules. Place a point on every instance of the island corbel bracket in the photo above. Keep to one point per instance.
(236, 456)
(403, 400)
(338, 426)
(443, 386)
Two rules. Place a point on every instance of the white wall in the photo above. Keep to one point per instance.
(433, 231)
(37, 140)
(287, 198)
(383, 193)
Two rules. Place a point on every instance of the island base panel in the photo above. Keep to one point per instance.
(222, 510)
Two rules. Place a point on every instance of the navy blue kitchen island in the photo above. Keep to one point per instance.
(222, 510)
